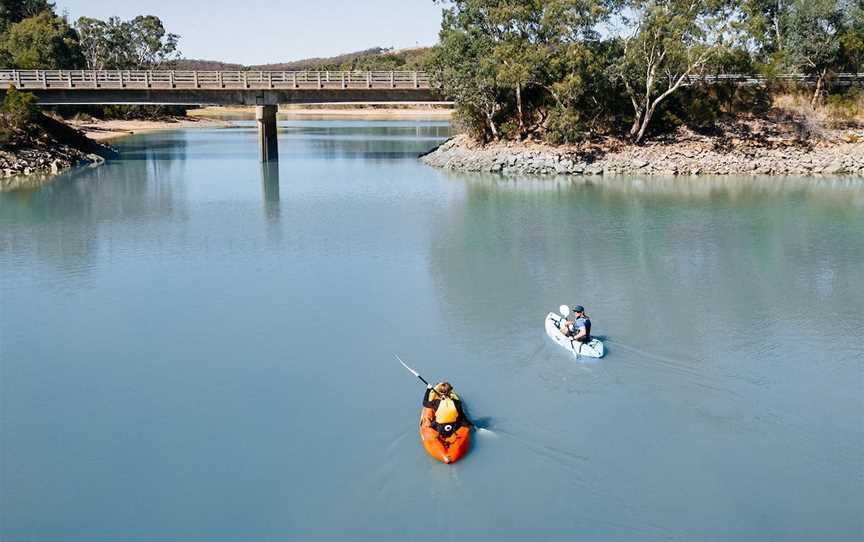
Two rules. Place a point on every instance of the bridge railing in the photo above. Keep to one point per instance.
(217, 80)
(212, 80)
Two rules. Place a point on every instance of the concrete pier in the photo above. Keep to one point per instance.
(268, 144)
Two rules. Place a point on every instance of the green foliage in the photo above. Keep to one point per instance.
(846, 106)
(44, 41)
(813, 34)
(18, 112)
(669, 42)
(153, 112)
(564, 125)
(141, 43)
(15, 11)
(507, 62)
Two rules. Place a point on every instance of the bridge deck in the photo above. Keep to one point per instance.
(177, 87)
(212, 80)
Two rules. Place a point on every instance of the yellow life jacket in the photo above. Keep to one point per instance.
(446, 411)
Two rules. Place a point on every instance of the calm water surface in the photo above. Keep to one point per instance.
(198, 348)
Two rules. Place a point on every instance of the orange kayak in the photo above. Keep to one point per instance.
(446, 450)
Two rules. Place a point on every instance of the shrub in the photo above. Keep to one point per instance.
(564, 125)
(848, 106)
(19, 111)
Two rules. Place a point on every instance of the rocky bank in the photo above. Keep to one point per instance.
(48, 149)
(683, 155)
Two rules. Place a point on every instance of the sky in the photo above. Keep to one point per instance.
(266, 31)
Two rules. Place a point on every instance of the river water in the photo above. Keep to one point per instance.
(198, 348)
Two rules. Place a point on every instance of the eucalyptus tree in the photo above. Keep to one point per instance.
(813, 38)
(668, 45)
(138, 44)
(852, 38)
(502, 59)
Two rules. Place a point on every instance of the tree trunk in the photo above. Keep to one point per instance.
(818, 92)
(645, 120)
(634, 129)
(519, 115)
(492, 127)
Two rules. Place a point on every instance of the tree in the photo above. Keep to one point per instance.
(15, 11)
(139, 44)
(460, 67)
(511, 53)
(852, 37)
(93, 37)
(813, 38)
(670, 42)
(44, 41)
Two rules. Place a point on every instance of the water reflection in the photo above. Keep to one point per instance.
(702, 251)
(270, 189)
(61, 221)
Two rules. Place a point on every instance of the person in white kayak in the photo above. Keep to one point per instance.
(579, 327)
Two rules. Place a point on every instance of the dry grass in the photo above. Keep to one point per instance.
(835, 112)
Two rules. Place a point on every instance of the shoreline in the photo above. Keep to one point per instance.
(106, 130)
(688, 157)
(331, 111)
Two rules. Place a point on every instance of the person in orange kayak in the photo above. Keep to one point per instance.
(447, 406)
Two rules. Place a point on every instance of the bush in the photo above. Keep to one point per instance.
(563, 125)
(19, 111)
(848, 106)
(148, 112)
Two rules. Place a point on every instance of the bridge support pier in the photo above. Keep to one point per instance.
(268, 145)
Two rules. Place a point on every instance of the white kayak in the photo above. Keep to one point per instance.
(591, 349)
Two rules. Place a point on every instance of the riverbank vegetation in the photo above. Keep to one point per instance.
(34, 36)
(562, 71)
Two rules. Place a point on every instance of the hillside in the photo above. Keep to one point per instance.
(376, 58)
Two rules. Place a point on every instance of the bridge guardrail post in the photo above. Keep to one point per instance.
(392, 80)
(318, 75)
(369, 80)
(16, 76)
(171, 79)
(416, 85)
(195, 78)
(293, 79)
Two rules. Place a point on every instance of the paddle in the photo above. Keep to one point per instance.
(415, 373)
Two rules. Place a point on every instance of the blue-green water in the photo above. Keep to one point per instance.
(196, 348)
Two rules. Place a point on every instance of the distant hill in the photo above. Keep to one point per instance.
(376, 58)
(206, 65)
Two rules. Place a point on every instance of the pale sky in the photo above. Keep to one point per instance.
(265, 31)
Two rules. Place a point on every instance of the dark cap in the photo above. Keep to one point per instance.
(578, 308)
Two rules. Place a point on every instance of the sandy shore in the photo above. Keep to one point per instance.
(331, 112)
(101, 130)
